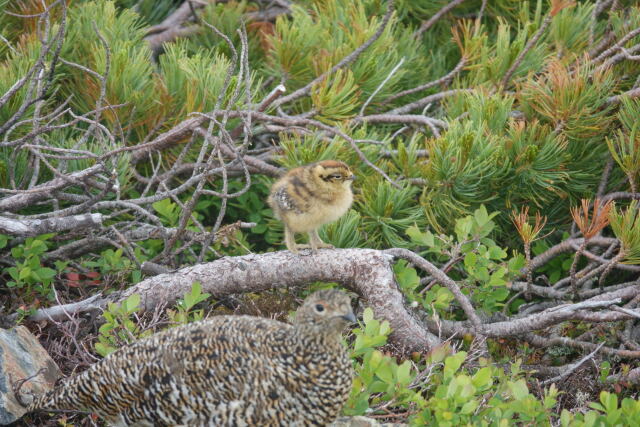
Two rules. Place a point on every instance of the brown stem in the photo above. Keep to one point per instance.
(527, 48)
(574, 265)
(441, 277)
(527, 254)
(428, 24)
(610, 266)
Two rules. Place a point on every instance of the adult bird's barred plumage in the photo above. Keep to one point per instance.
(224, 371)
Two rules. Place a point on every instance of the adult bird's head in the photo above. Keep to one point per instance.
(329, 310)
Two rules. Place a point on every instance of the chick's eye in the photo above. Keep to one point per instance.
(319, 308)
(336, 176)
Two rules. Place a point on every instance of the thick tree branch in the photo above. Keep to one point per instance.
(367, 272)
(567, 246)
(30, 197)
(35, 227)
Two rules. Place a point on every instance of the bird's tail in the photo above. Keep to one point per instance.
(48, 400)
(61, 397)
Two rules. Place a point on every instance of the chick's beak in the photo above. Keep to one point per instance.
(349, 317)
(351, 178)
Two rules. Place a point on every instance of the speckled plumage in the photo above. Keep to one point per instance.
(309, 196)
(224, 371)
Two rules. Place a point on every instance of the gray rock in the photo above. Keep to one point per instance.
(22, 356)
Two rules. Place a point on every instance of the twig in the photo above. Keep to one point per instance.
(436, 17)
(626, 311)
(527, 48)
(420, 103)
(571, 368)
(380, 86)
(306, 90)
(441, 81)
(604, 180)
(439, 275)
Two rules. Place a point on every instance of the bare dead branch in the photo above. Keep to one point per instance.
(566, 246)
(530, 44)
(29, 197)
(421, 103)
(35, 227)
(436, 17)
(62, 312)
(306, 90)
(539, 341)
(439, 82)
(616, 99)
(403, 119)
(571, 368)
(441, 277)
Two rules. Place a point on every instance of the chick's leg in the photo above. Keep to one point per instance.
(315, 241)
(290, 240)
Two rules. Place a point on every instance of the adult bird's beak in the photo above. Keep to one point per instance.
(350, 317)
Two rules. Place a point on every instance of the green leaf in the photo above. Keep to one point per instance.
(104, 349)
(469, 407)
(385, 373)
(420, 238)
(105, 328)
(463, 228)
(497, 278)
(609, 401)
(13, 272)
(367, 315)
(46, 273)
(516, 263)
(407, 277)
(453, 363)
(25, 273)
(168, 210)
(497, 253)
(518, 389)
(131, 304)
(483, 274)
(404, 373)
(605, 368)
(17, 252)
(481, 215)
(565, 418)
(372, 327)
(385, 328)
(470, 261)
(482, 378)
(193, 297)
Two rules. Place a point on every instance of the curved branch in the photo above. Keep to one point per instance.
(567, 246)
(441, 277)
(367, 272)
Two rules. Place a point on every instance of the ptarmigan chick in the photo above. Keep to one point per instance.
(310, 196)
(224, 371)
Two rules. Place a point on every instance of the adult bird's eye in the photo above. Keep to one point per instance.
(319, 308)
